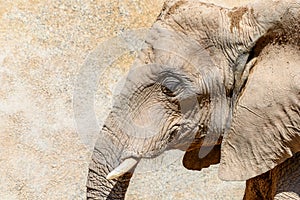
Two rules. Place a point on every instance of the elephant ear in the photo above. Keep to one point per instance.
(265, 128)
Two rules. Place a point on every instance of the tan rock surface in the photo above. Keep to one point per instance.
(43, 47)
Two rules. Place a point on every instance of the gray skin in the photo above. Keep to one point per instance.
(211, 77)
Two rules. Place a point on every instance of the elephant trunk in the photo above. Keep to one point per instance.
(107, 155)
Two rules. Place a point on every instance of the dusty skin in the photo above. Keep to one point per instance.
(43, 47)
(223, 79)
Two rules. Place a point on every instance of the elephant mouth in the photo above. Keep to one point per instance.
(175, 137)
(199, 141)
(130, 162)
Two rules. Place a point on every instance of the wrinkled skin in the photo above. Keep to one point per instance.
(282, 182)
(209, 76)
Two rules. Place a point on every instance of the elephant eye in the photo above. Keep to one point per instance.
(170, 86)
(167, 91)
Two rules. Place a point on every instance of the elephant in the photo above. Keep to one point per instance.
(221, 84)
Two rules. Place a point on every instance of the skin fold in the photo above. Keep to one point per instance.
(210, 82)
(282, 182)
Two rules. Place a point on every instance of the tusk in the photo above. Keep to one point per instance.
(124, 167)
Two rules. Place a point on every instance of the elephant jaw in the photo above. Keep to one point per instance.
(123, 168)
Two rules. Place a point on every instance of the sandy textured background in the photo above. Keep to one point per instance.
(43, 47)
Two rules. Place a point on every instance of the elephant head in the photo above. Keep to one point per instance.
(197, 83)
